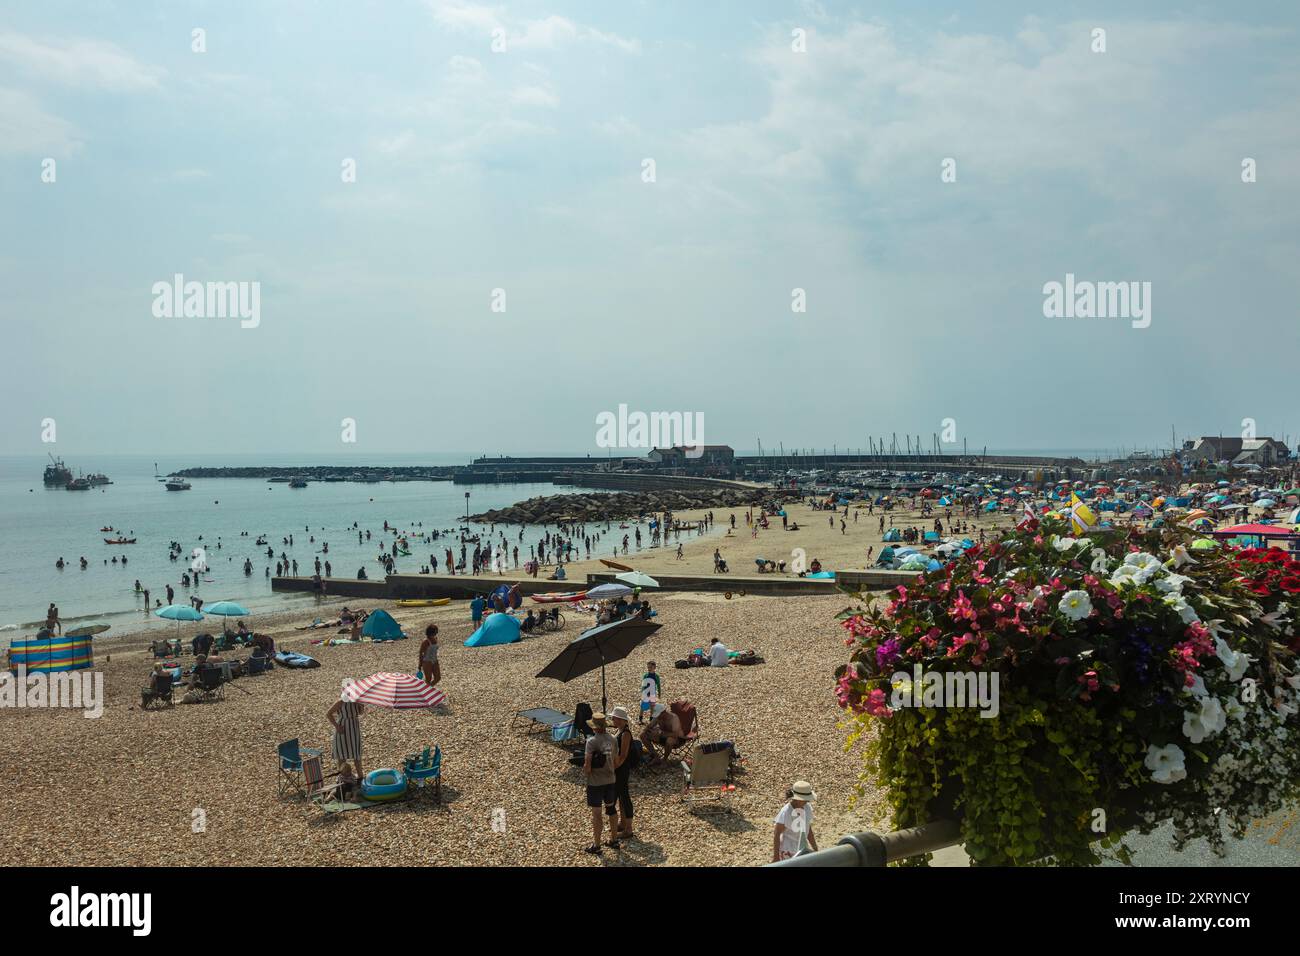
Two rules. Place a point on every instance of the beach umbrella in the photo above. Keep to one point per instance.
(637, 579)
(178, 613)
(1204, 544)
(87, 630)
(604, 591)
(380, 626)
(1295, 517)
(226, 609)
(394, 691)
(597, 647)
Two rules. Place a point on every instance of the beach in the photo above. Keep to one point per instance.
(126, 788)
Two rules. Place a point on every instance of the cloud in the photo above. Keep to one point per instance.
(90, 64)
(25, 128)
(534, 96)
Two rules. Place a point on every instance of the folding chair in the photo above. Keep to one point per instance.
(319, 792)
(708, 778)
(159, 695)
(289, 759)
(690, 722)
(423, 770)
(212, 683)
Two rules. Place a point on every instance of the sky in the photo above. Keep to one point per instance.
(558, 209)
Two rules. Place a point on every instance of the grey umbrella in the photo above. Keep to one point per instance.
(596, 647)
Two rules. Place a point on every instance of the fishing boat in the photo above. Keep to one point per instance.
(98, 479)
(119, 540)
(57, 473)
(177, 484)
(78, 484)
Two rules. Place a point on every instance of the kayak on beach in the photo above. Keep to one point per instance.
(615, 565)
(425, 602)
(559, 597)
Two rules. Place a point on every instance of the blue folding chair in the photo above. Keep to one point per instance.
(289, 758)
(423, 770)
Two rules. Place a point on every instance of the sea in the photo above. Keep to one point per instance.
(224, 516)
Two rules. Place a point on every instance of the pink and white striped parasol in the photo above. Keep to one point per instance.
(395, 691)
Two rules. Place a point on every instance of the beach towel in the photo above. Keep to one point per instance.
(294, 660)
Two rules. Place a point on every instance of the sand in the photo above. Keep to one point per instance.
(196, 784)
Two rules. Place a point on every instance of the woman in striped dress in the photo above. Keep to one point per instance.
(344, 717)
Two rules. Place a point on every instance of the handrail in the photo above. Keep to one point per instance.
(878, 849)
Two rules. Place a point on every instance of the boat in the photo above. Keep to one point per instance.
(98, 479)
(178, 484)
(615, 565)
(297, 482)
(109, 528)
(57, 473)
(559, 597)
(78, 484)
(119, 540)
(424, 602)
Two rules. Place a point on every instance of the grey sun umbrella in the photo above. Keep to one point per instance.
(597, 647)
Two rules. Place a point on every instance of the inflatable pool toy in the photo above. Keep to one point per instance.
(383, 785)
(428, 602)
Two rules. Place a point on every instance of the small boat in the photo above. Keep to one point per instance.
(297, 482)
(108, 529)
(98, 479)
(559, 597)
(119, 540)
(426, 602)
(78, 484)
(178, 485)
(615, 565)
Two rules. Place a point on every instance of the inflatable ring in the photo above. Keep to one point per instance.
(727, 595)
(383, 785)
(741, 593)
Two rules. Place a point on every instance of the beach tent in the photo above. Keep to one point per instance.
(495, 629)
(380, 626)
(894, 534)
(45, 654)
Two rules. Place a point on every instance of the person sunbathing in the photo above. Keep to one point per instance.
(664, 729)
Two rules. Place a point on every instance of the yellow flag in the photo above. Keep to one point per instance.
(1082, 518)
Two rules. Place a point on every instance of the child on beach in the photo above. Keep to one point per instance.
(651, 689)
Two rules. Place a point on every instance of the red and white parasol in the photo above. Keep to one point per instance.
(395, 691)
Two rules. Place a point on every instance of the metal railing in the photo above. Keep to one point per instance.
(878, 849)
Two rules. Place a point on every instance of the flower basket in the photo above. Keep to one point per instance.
(1054, 692)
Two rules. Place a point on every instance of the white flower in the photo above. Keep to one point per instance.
(1185, 610)
(1147, 562)
(1076, 605)
(1197, 687)
(1206, 721)
(1166, 763)
(1099, 562)
(1063, 544)
(1275, 619)
(1181, 556)
(1294, 681)
(1172, 583)
(1235, 663)
(1234, 709)
(1126, 574)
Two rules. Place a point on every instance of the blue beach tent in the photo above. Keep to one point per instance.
(497, 629)
(380, 626)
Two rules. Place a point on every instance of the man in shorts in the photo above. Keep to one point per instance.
(598, 767)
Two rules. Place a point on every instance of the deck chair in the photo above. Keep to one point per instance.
(159, 695)
(324, 790)
(424, 770)
(289, 758)
(690, 721)
(708, 778)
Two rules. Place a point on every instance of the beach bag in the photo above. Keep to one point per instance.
(682, 664)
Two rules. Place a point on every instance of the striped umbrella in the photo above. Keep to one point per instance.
(394, 691)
